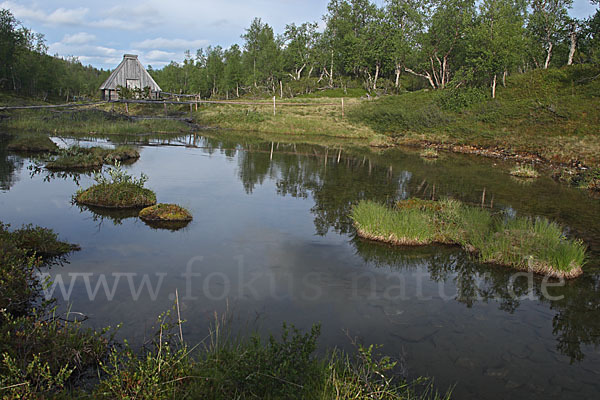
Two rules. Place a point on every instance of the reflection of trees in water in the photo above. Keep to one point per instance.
(577, 318)
(38, 168)
(9, 165)
(336, 185)
(335, 182)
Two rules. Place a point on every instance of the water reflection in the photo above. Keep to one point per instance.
(336, 181)
(115, 216)
(10, 164)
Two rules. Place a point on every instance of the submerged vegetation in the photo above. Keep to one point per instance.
(524, 171)
(117, 189)
(33, 144)
(584, 178)
(523, 243)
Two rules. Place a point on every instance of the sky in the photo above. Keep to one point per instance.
(160, 31)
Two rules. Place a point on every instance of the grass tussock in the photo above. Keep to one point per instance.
(523, 243)
(33, 144)
(81, 158)
(429, 153)
(524, 171)
(165, 212)
(117, 189)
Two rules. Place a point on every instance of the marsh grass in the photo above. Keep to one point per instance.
(82, 158)
(226, 366)
(588, 178)
(88, 121)
(429, 153)
(537, 245)
(524, 171)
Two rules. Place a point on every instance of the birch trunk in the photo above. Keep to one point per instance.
(398, 70)
(494, 87)
(550, 45)
(376, 76)
(573, 37)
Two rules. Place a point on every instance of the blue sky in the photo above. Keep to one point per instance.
(99, 33)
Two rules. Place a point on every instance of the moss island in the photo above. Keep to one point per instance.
(527, 244)
(117, 190)
(166, 216)
(165, 212)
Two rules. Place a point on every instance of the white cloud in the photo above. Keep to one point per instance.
(159, 55)
(58, 17)
(178, 44)
(79, 38)
(63, 16)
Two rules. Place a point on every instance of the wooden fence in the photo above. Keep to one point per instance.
(192, 103)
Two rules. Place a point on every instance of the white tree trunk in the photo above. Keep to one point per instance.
(398, 70)
(376, 76)
(573, 37)
(504, 78)
(426, 75)
(550, 45)
(494, 87)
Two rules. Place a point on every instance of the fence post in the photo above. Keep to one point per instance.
(274, 107)
(126, 107)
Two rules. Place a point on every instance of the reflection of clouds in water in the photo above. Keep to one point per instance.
(403, 180)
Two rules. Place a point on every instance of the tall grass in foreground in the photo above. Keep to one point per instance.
(533, 244)
(225, 366)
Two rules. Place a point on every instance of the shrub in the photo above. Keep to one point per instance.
(117, 189)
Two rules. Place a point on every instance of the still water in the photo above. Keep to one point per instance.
(271, 242)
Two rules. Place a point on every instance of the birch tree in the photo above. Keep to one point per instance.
(404, 22)
(548, 23)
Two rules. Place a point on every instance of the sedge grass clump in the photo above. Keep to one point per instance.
(78, 158)
(537, 245)
(524, 171)
(429, 153)
(166, 216)
(117, 189)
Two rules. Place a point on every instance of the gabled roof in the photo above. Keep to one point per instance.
(130, 68)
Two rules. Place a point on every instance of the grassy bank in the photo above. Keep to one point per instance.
(87, 121)
(522, 243)
(47, 355)
(553, 115)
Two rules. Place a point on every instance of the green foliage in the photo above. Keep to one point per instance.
(76, 157)
(22, 252)
(116, 189)
(457, 99)
(537, 244)
(396, 114)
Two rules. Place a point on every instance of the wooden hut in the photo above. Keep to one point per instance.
(130, 74)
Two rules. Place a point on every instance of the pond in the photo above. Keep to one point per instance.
(271, 242)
